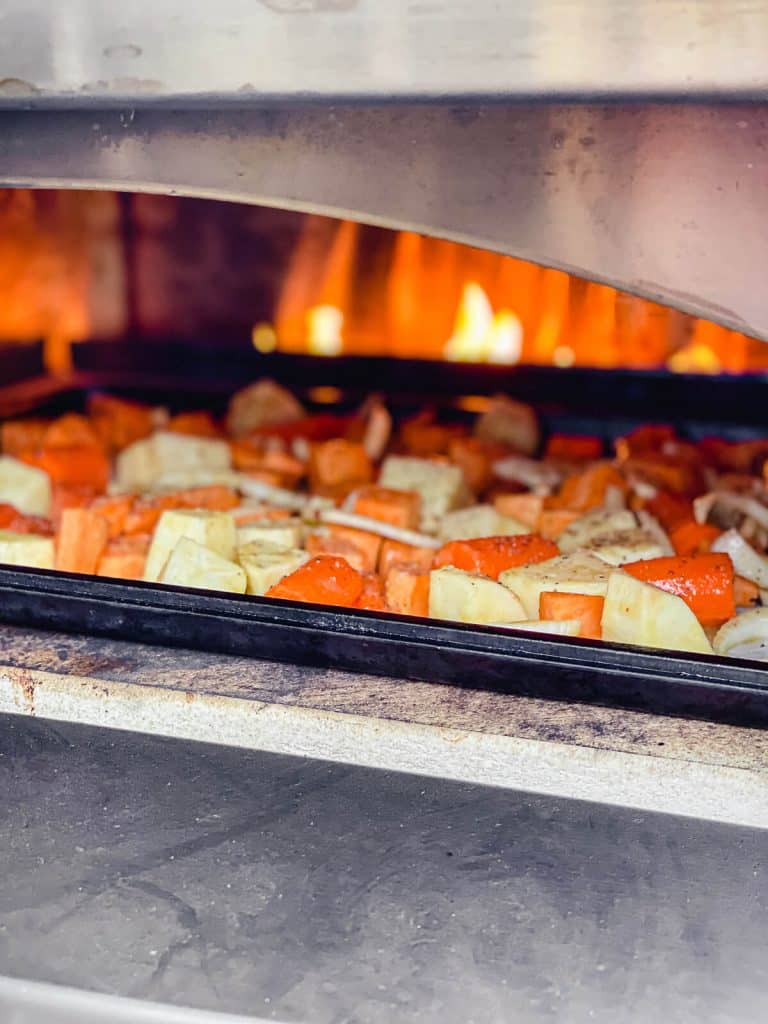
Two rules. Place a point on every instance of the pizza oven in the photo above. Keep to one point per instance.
(425, 201)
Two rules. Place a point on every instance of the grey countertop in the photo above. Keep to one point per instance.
(298, 890)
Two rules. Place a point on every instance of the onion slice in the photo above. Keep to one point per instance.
(746, 561)
(747, 632)
(339, 517)
(539, 477)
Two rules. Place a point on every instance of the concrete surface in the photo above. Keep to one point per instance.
(298, 890)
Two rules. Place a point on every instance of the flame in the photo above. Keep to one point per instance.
(479, 334)
(324, 324)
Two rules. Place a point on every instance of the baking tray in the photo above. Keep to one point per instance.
(401, 647)
(605, 403)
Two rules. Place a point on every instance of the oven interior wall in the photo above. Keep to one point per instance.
(142, 268)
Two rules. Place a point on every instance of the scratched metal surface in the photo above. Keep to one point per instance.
(303, 891)
(90, 50)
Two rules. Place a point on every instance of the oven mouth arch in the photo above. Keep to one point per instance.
(658, 200)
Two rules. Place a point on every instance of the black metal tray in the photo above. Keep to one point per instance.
(477, 657)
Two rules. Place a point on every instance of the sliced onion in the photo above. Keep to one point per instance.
(536, 475)
(746, 561)
(703, 506)
(748, 628)
(278, 496)
(338, 517)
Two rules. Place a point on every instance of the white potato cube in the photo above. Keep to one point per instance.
(260, 404)
(594, 524)
(579, 573)
(213, 530)
(283, 533)
(639, 613)
(26, 549)
(192, 565)
(25, 487)
(166, 454)
(478, 521)
(626, 546)
(465, 597)
(442, 488)
(266, 564)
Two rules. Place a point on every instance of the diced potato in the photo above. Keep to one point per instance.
(511, 423)
(27, 488)
(558, 627)
(626, 546)
(579, 573)
(442, 488)
(466, 597)
(479, 521)
(639, 613)
(26, 549)
(266, 564)
(594, 524)
(167, 455)
(284, 533)
(192, 565)
(260, 404)
(213, 530)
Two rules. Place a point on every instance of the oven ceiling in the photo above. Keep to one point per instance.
(230, 50)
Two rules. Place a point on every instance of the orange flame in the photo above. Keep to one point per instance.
(363, 290)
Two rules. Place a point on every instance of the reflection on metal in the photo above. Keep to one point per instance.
(662, 200)
(90, 51)
(34, 1002)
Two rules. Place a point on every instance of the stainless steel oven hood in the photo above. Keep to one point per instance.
(623, 141)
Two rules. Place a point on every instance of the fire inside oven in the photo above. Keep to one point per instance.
(316, 440)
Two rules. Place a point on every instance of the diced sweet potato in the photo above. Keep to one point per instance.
(216, 497)
(406, 590)
(693, 538)
(125, 557)
(337, 466)
(394, 553)
(18, 436)
(326, 544)
(368, 544)
(195, 424)
(70, 496)
(120, 423)
(322, 580)
(422, 436)
(586, 490)
(491, 556)
(372, 597)
(398, 508)
(71, 431)
(573, 447)
(115, 509)
(587, 609)
(526, 508)
(81, 540)
(74, 465)
(475, 458)
(553, 521)
(251, 456)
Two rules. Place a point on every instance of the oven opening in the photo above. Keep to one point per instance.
(315, 439)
